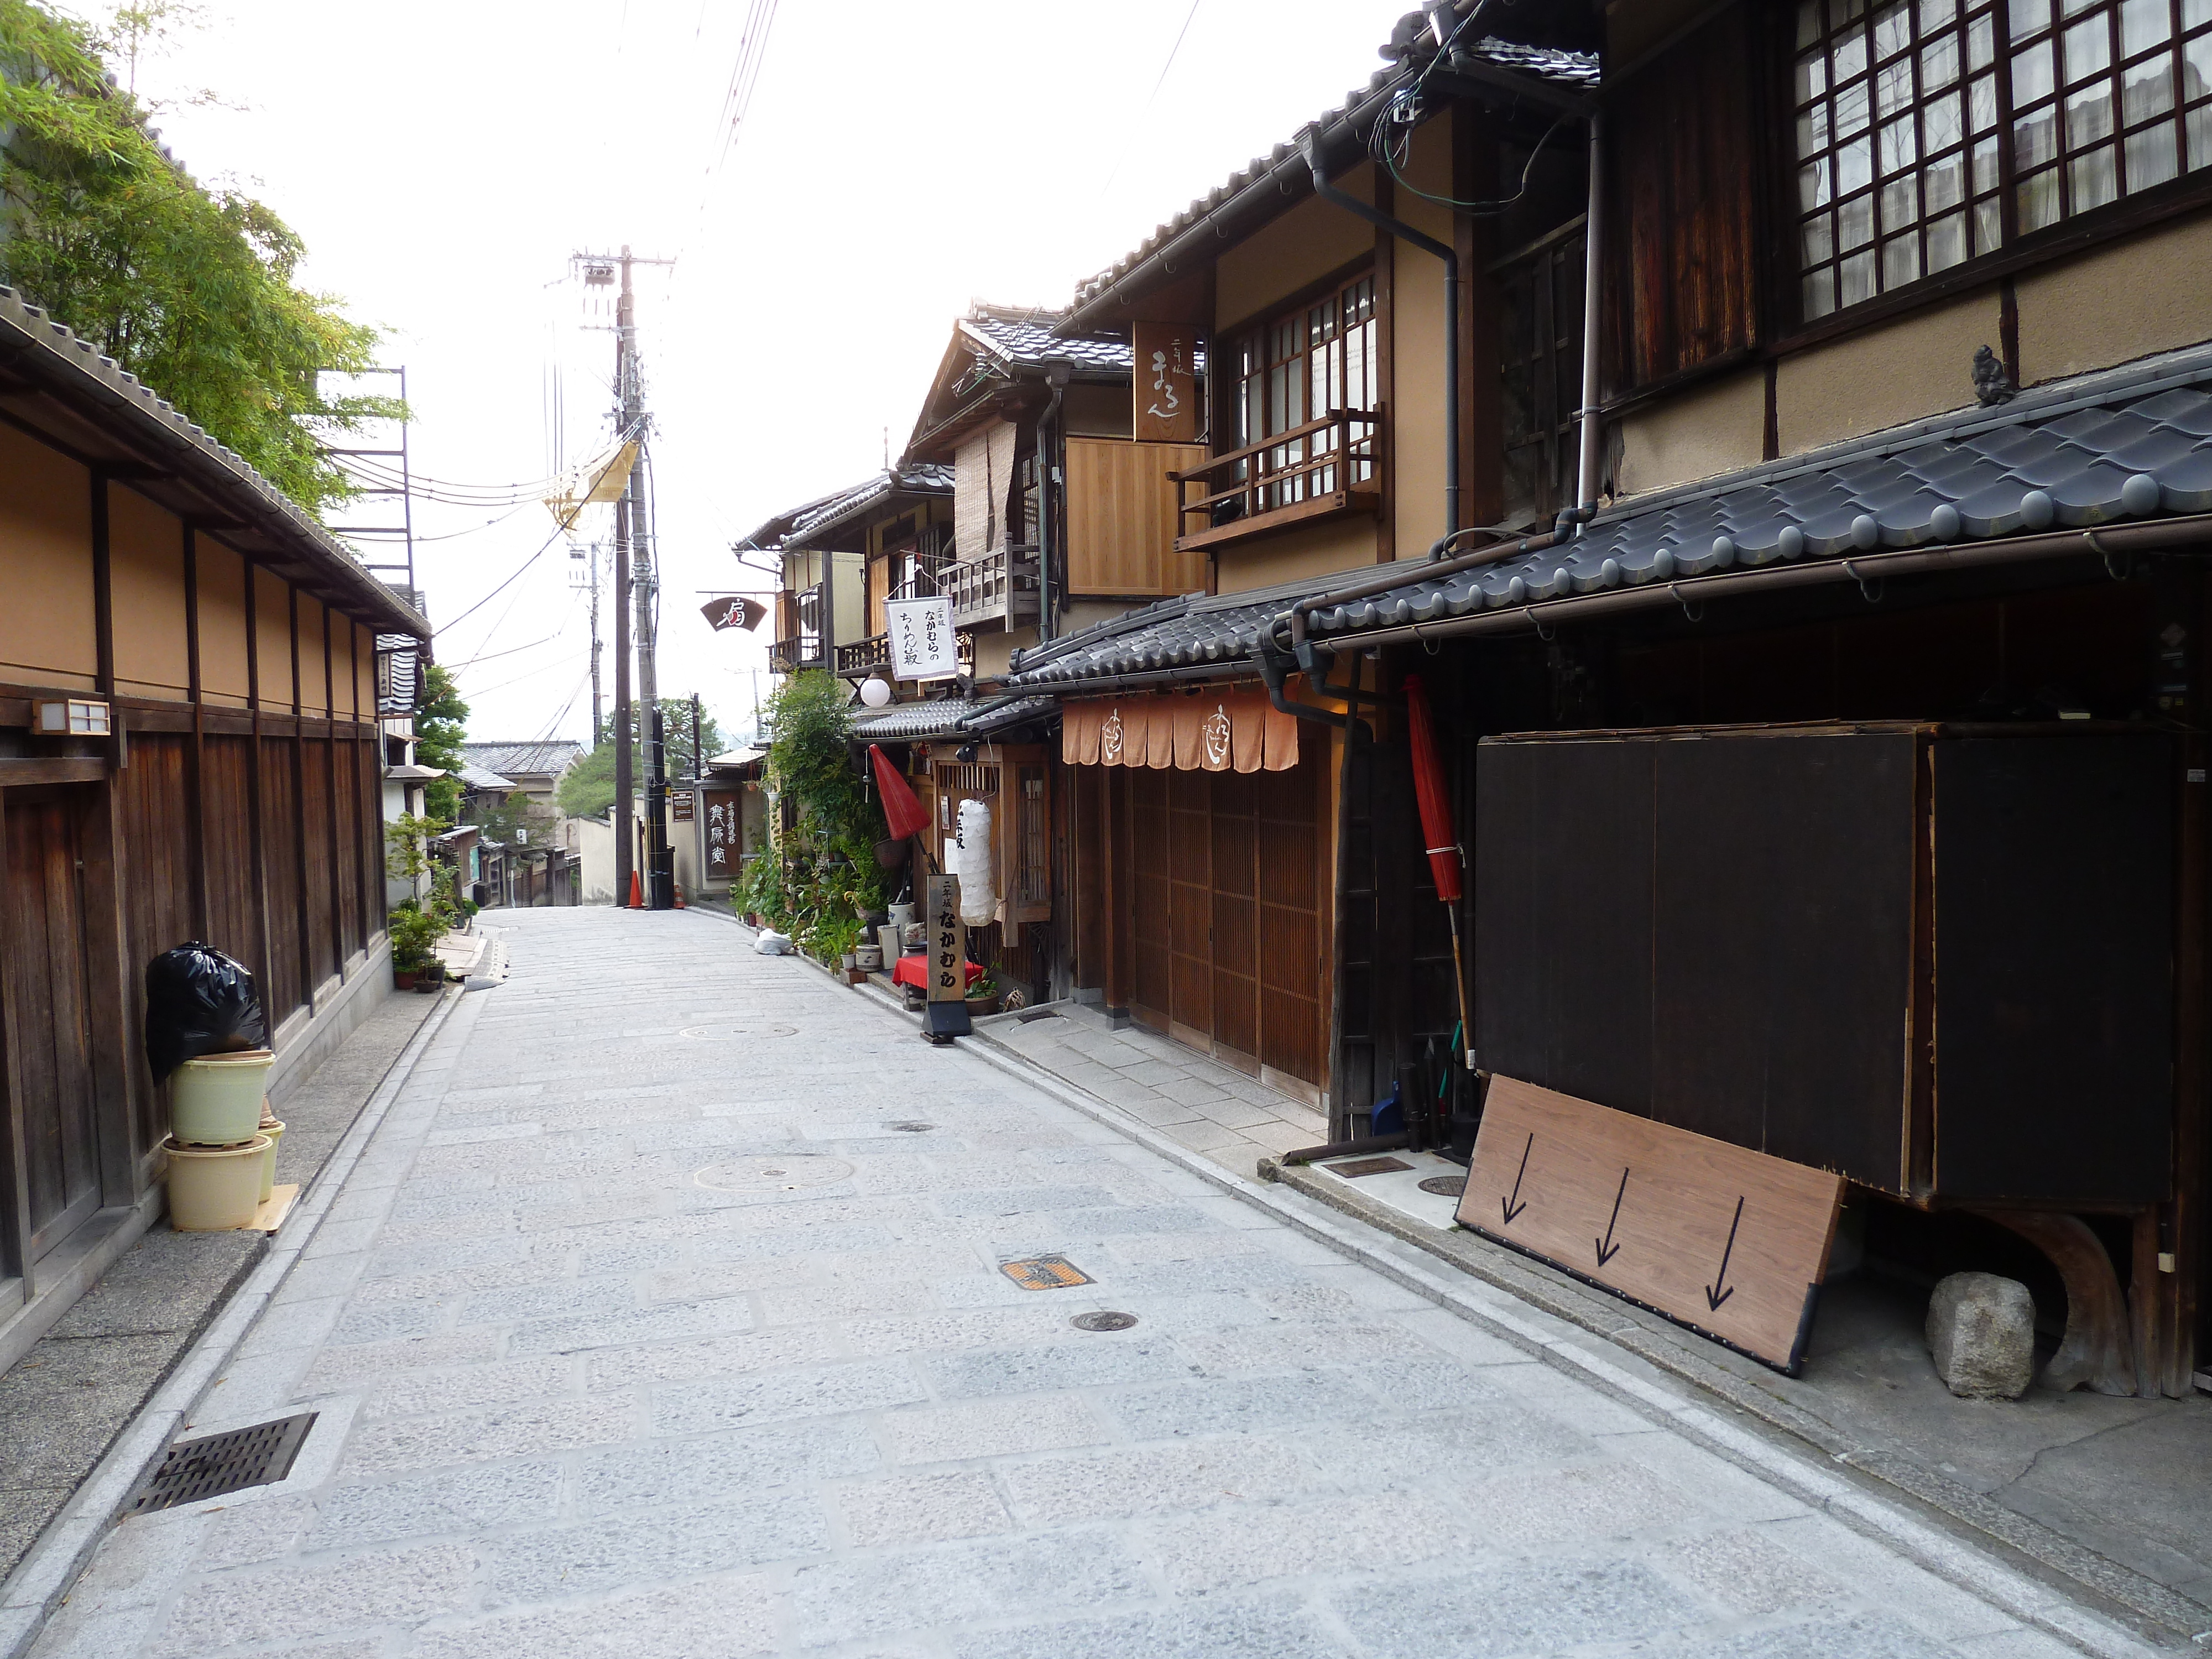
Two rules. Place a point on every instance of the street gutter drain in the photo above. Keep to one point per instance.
(1445, 1186)
(217, 1463)
(1045, 1272)
(1103, 1321)
(1367, 1166)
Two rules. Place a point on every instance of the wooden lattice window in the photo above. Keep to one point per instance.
(1931, 132)
(1540, 339)
(1311, 362)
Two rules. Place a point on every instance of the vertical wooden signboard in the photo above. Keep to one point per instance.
(1165, 383)
(948, 961)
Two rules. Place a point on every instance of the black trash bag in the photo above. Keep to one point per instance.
(198, 1001)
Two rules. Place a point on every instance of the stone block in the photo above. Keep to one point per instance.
(1514, 1608)
(809, 1391)
(1981, 1330)
(704, 1471)
(612, 1550)
(928, 1509)
(359, 1592)
(1104, 1358)
(985, 1428)
(1204, 1629)
(906, 1591)
(452, 1501)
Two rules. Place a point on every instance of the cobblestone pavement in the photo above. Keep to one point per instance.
(663, 1315)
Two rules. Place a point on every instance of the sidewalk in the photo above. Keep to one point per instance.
(666, 1312)
(65, 1403)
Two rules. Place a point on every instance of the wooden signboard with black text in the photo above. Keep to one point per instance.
(948, 942)
(1727, 1240)
(1164, 386)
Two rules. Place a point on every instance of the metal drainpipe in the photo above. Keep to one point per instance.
(1047, 454)
(1593, 297)
(1427, 244)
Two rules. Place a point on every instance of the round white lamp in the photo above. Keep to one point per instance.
(875, 691)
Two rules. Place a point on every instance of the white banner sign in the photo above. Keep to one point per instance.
(922, 643)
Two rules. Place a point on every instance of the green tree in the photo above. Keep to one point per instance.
(587, 788)
(188, 288)
(501, 820)
(821, 873)
(441, 721)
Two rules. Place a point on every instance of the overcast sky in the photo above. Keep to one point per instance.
(896, 160)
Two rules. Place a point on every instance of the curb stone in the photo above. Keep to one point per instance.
(49, 1571)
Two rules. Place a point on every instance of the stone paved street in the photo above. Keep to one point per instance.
(663, 1315)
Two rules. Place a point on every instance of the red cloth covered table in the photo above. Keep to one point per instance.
(915, 971)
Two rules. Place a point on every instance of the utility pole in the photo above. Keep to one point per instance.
(598, 712)
(634, 610)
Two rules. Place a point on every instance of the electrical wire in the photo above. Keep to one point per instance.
(1122, 150)
(493, 656)
(1379, 146)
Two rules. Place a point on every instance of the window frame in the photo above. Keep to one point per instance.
(1254, 364)
(2070, 231)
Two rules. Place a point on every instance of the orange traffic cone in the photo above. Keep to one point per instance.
(636, 893)
(679, 898)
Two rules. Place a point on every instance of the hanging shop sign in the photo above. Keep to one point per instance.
(923, 645)
(1166, 384)
(733, 610)
(1215, 730)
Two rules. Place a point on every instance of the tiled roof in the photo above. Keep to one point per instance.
(124, 408)
(826, 512)
(512, 760)
(2128, 443)
(1027, 337)
(479, 777)
(1574, 68)
(947, 717)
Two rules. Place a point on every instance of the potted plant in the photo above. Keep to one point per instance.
(413, 944)
(983, 995)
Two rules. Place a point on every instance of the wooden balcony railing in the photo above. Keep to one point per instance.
(865, 657)
(1323, 469)
(1000, 587)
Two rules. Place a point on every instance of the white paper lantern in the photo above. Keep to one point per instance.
(875, 691)
(971, 858)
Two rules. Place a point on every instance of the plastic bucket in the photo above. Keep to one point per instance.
(215, 1189)
(216, 1101)
(275, 1132)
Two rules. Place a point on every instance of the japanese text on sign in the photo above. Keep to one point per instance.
(1166, 383)
(922, 646)
(948, 941)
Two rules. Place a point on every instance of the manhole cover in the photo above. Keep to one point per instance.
(768, 1173)
(1367, 1166)
(1045, 1272)
(230, 1461)
(1103, 1321)
(1445, 1186)
(911, 1128)
(736, 1033)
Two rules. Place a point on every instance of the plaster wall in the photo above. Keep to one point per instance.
(315, 684)
(222, 574)
(1097, 411)
(1302, 246)
(1414, 442)
(1296, 555)
(1917, 366)
(146, 585)
(1711, 429)
(48, 634)
(272, 628)
(2148, 294)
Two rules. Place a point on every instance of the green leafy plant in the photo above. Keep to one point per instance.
(407, 851)
(190, 289)
(414, 937)
(441, 722)
(587, 788)
(820, 875)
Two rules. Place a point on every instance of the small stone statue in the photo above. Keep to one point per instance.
(1992, 386)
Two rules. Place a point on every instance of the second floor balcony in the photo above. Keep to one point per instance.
(995, 589)
(1324, 469)
(872, 655)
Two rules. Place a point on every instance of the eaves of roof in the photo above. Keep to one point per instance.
(1271, 184)
(912, 478)
(949, 717)
(88, 406)
(2041, 474)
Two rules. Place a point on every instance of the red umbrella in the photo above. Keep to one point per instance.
(1429, 786)
(903, 813)
(1437, 826)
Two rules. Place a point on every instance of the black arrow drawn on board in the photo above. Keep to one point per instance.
(1714, 1296)
(1607, 1249)
(1507, 1204)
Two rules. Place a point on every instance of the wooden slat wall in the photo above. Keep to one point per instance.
(155, 802)
(1684, 207)
(1122, 519)
(280, 828)
(348, 876)
(234, 924)
(321, 953)
(369, 838)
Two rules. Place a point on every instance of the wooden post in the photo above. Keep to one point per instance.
(256, 839)
(331, 789)
(107, 952)
(308, 980)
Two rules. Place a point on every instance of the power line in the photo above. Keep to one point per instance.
(1187, 17)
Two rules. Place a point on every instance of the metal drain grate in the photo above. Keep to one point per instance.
(1103, 1321)
(1367, 1166)
(1045, 1272)
(217, 1463)
(1037, 1014)
(1445, 1186)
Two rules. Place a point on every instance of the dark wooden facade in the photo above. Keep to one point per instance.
(238, 799)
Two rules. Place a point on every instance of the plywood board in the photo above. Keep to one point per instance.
(1729, 1242)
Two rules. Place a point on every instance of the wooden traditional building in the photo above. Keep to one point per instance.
(189, 749)
(1803, 578)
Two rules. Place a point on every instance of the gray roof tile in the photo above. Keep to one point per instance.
(2103, 448)
(947, 717)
